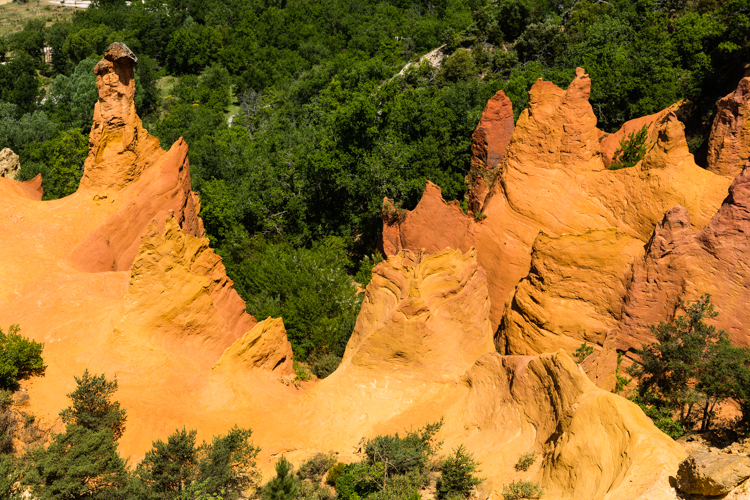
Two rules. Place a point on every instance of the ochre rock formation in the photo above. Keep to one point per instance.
(265, 347)
(500, 407)
(488, 145)
(128, 171)
(409, 306)
(729, 142)
(681, 265)
(574, 292)
(117, 278)
(554, 180)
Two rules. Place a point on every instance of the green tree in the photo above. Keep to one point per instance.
(690, 361)
(60, 161)
(457, 475)
(83, 462)
(92, 407)
(169, 467)
(20, 359)
(227, 464)
(78, 464)
(284, 485)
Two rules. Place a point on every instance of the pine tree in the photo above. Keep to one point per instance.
(92, 407)
(284, 485)
(82, 462)
(169, 468)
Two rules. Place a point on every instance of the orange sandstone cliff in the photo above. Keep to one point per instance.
(118, 278)
(561, 235)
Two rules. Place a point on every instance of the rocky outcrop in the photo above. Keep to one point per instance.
(264, 347)
(412, 301)
(197, 306)
(125, 164)
(729, 142)
(573, 294)
(121, 282)
(554, 180)
(499, 407)
(712, 474)
(9, 164)
(680, 264)
(488, 145)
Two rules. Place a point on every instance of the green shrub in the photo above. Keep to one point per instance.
(315, 467)
(326, 365)
(334, 473)
(632, 150)
(404, 454)
(661, 416)
(21, 359)
(301, 371)
(457, 475)
(583, 352)
(518, 490)
(359, 480)
(459, 66)
(525, 461)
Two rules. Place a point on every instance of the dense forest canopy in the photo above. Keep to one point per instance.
(300, 119)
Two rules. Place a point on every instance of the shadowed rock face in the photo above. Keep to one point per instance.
(729, 143)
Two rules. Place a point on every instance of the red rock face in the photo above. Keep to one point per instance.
(729, 144)
(488, 146)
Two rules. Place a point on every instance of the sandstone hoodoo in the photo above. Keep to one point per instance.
(124, 282)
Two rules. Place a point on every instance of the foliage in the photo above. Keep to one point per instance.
(60, 161)
(662, 416)
(17, 129)
(78, 463)
(10, 476)
(691, 364)
(20, 359)
(301, 372)
(397, 468)
(177, 468)
(631, 150)
(92, 408)
(283, 486)
(525, 461)
(309, 288)
(71, 99)
(457, 475)
(334, 473)
(326, 365)
(227, 464)
(315, 467)
(168, 469)
(583, 352)
(399, 455)
(518, 490)
(83, 462)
